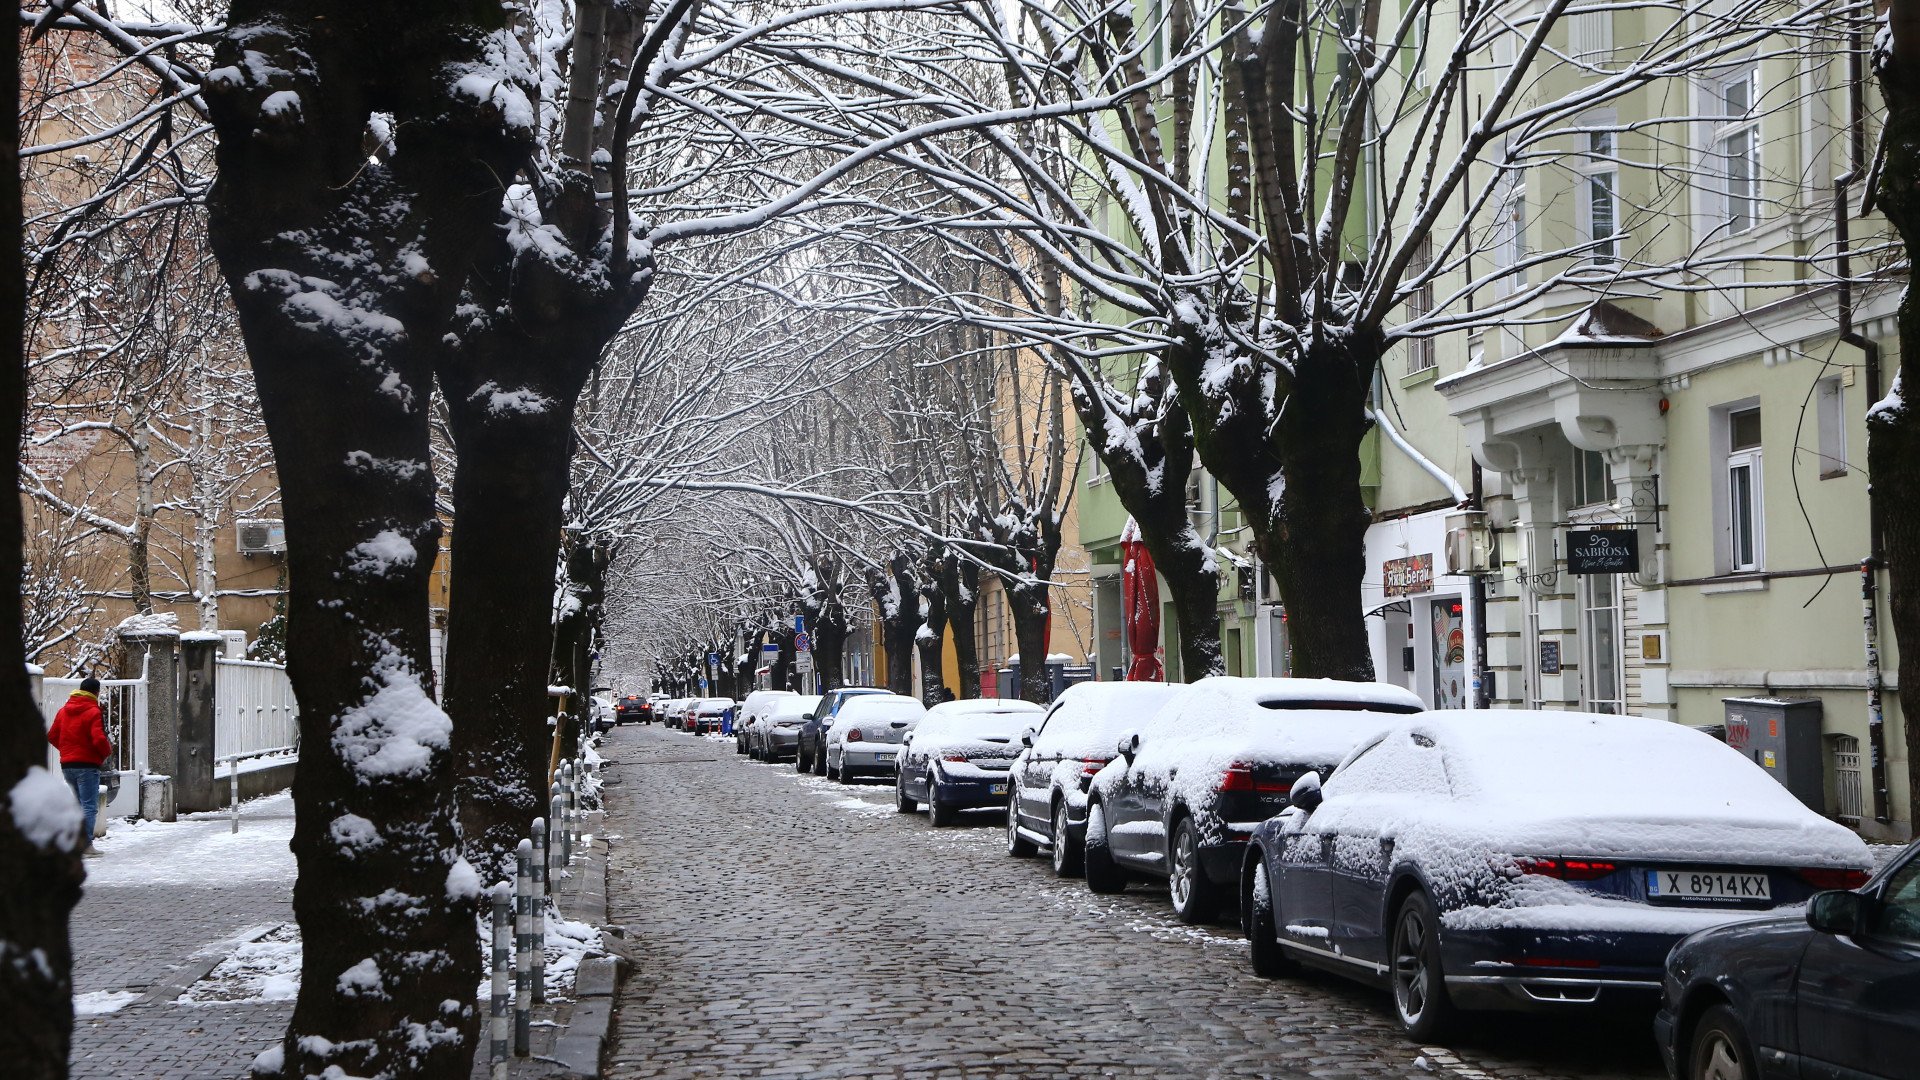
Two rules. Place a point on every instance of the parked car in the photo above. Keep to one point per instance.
(1187, 789)
(1835, 992)
(752, 706)
(633, 708)
(671, 711)
(706, 716)
(1050, 776)
(865, 738)
(776, 731)
(958, 756)
(604, 713)
(1502, 860)
(813, 732)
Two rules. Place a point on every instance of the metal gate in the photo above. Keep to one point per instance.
(123, 708)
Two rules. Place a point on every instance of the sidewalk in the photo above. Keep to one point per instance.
(187, 959)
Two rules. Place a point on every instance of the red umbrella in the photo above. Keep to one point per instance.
(1140, 608)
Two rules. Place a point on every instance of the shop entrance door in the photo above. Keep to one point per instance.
(1449, 645)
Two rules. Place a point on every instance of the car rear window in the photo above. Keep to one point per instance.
(1295, 704)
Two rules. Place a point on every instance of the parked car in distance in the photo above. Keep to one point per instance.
(705, 715)
(866, 736)
(776, 731)
(1505, 860)
(674, 713)
(633, 709)
(811, 756)
(958, 756)
(1188, 788)
(1833, 992)
(751, 707)
(1050, 776)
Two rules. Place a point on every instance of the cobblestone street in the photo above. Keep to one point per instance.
(786, 926)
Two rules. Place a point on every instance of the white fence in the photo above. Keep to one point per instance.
(253, 708)
(123, 708)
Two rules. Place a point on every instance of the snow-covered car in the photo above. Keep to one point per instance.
(866, 736)
(674, 712)
(811, 756)
(707, 716)
(958, 756)
(751, 708)
(1189, 787)
(1832, 993)
(604, 713)
(776, 730)
(1050, 776)
(1500, 860)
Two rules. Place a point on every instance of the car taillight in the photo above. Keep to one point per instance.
(954, 756)
(1568, 869)
(1239, 778)
(854, 735)
(1822, 877)
(1091, 765)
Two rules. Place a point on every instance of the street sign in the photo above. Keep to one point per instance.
(713, 659)
(802, 643)
(803, 663)
(769, 655)
(1603, 551)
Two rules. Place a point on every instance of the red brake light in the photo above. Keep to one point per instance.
(954, 756)
(1239, 778)
(854, 735)
(1823, 877)
(1091, 765)
(1568, 869)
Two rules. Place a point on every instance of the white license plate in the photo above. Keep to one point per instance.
(883, 759)
(999, 789)
(1706, 885)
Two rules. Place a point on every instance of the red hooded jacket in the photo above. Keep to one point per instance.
(78, 733)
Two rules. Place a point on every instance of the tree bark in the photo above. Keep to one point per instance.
(960, 584)
(1893, 426)
(42, 882)
(339, 267)
(827, 622)
(930, 636)
(894, 589)
(1027, 603)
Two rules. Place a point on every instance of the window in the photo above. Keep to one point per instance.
(1898, 913)
(1601, 660)
(1510, 234)
(1847, 801)
(1830, 408)
(1590, 35)
(1744, 516)
(1734, 151)
(1600, 198)
(1420, 351)
(1592, 479)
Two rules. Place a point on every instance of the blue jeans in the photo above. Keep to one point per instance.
(85, 782)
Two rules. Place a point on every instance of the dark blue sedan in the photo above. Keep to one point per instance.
(1833, 994)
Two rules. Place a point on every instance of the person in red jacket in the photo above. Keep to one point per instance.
(79, 732)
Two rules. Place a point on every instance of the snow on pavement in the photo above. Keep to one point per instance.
(200, 849)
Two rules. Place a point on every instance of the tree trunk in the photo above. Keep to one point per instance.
(894, 589)
(140, 546)
(960, 584)
(1027, 603)
(42, 882)
(930, 639)
(828, 624)
(339, 268)
(1893, 427)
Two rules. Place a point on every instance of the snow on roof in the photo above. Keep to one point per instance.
(1276, 691)
(984, 705)
(792, 705)
(162, 623)
(1089, 717)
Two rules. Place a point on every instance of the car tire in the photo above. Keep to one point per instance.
(1195, 897)
(1017, 846)
(1419, 984)
(1103, 875)
(800, 764)
(900, 800)
(939, 814)
(1719, 1048)
(846, 774)
(1066, 853)
(1262, 905)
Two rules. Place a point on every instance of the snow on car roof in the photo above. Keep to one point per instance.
(792, 705)
(1313, 693)
(1089, 717)
(880, 706)
(1564, 783)
(1002, 706)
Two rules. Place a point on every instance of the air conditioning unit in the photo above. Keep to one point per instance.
(1469, 543)
(261, 536)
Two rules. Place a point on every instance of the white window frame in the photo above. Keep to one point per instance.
(1731, 212)
(1590, 36)
(1510, 234)
(1421, 354)
(1726, 463)
(1591, 646)
(1830, 409)
(1598, 164)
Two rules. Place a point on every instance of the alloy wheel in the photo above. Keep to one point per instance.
(1410, 966)
(1184, 867)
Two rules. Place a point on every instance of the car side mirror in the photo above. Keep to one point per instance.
(1026, 738)
(1305, 792)
(1129, 745)
(1837, 912)
(808, 717)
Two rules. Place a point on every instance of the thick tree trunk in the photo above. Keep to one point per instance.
(894, 589)
(1893, 426)
(339, 267)
(960, 584)
(42, 882)
(1027, 603)
(930, 639)
(828, 625)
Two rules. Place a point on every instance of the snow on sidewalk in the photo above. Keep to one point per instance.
(200, 849)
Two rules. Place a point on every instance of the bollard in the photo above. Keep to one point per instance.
(573, 805)
(539, 892)
(522, 948)
(502, 942)
(556, 844)
(573, 808)
(233, 792)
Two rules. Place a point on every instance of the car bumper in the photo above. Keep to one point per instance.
(1221, 862)
(783, 742)
(1664, 1029)
(1545, 969)
(967, 793)
(868, 761)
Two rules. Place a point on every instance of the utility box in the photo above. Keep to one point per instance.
(1782, 736)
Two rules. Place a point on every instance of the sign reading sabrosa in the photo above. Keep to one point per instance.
(1603, 551)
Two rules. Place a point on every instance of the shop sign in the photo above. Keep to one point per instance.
(1549, 658)
(1603, 551)
(1408, 576)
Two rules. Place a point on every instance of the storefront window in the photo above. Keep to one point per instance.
(1601, 663)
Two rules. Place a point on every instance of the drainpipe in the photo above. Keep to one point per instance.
(1477, 604)
(1870, 356)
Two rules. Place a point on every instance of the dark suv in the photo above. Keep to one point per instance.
(633, 707)
(813, 733)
